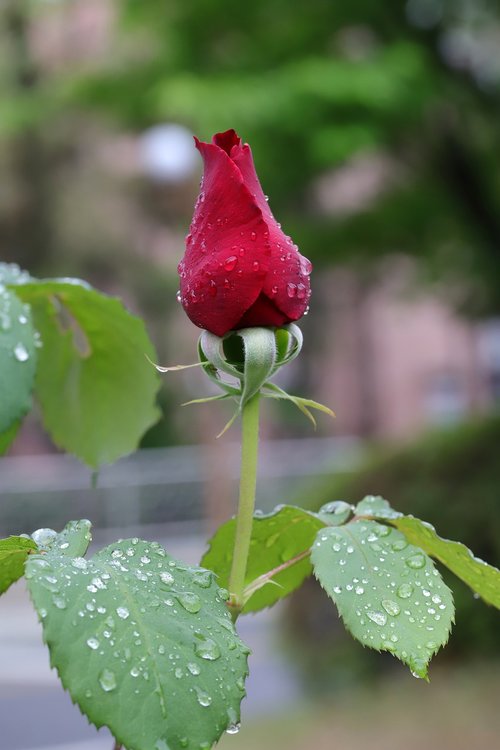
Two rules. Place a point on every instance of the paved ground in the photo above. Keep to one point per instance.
(35, 712)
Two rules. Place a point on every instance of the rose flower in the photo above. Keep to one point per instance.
(239, 269)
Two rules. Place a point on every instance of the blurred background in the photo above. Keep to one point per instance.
(375, 132)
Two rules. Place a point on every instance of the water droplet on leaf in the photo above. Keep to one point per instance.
(207, 649)
(107, 680)
(21, 353)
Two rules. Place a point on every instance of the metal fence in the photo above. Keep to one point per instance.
(159, 486)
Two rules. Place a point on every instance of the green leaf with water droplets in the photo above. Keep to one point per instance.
(388, 592)
(484, 579)
(95, 386)
(277, 538)
(13, 554)
(18, 356)
(376, 506)
(144, 644)
(72, 541)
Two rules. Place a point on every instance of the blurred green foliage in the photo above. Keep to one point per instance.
(310, 88)
(449, 478)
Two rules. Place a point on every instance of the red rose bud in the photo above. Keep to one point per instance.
(239, 269)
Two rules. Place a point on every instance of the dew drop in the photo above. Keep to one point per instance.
(379, 618)
(107, 680)
(93, 643)
(21, 353)
(405, 591)
(207, 649)
(253, 236)
(190, 601)
(305, 266)
(301, 291)
(122, 612)
(193, 668)
(400, 545)
(166, 577)
(230, 262)
(291, 290)
(255, 265)
(203, 578)
(59, 602)
(212, 289)
(233, 728)
(43, 537)
(415, 561)
(204, 699)
(392, 608)
(274, 290)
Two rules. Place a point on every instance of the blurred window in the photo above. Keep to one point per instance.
(445, 399)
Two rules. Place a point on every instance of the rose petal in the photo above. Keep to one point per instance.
(239, 269)
(222, 275)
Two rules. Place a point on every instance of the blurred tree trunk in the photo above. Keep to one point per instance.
(26, 232)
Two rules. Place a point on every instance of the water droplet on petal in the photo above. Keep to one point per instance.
(305, 266)
(253, 236)
(291, 290)
(255, 265)
(230, 262)
(301, 291)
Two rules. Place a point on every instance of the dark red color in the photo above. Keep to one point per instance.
(239, 268)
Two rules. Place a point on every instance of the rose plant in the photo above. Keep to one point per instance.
(145, 644)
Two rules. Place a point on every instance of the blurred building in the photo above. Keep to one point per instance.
(399, 359)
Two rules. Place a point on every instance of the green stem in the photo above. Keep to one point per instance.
(244, 519)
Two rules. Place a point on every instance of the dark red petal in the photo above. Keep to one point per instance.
(242, 157)
(262, 313)
(226, 258)
(227, 140)
(287, 282)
